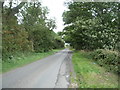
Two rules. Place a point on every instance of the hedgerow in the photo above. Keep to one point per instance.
(107, 58)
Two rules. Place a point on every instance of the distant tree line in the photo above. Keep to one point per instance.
(26, 28)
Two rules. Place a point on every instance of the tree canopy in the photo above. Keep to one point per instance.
(26, 28)
(92, 25)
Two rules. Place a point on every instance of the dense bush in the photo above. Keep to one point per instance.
(107, 58)
(14, 41)
(14, 37)
(32, 33)
(90, 26)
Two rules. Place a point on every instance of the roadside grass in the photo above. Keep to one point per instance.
(24, 59)
(91, 75)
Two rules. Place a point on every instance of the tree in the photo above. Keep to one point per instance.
(14, 37)
(91, 25)
(33, 34)
(39, 27)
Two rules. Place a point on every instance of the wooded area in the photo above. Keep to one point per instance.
(91, 36)
(26, 28)
(94, 26)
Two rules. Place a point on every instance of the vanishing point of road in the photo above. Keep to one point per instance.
(50, 72)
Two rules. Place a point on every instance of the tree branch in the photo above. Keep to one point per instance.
(16, 9)
(1, 4)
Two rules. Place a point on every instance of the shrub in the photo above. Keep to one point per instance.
(14, 41)
(107, 58)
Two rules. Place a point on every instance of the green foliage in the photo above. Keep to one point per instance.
(92, 25)
(107, 58)
(21, 59)
(14, 41)
(91, 75)
(14, 36)
(57, 41)
(41, 33)
(34, 33)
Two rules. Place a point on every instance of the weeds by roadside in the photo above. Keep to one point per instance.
(90, 75)
(23, 59)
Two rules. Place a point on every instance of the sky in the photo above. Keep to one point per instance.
(56, 8)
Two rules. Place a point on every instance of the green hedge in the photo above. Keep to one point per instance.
(107, 58)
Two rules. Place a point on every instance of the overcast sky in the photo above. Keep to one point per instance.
(56, 8)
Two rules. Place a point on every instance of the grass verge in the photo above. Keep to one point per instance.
(91, 75)
(25, 59)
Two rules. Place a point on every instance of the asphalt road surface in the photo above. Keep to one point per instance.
(50, 72)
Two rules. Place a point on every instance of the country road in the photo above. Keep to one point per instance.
(50, 72)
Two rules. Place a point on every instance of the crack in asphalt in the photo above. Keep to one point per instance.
(64, 73)
(58, 74)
